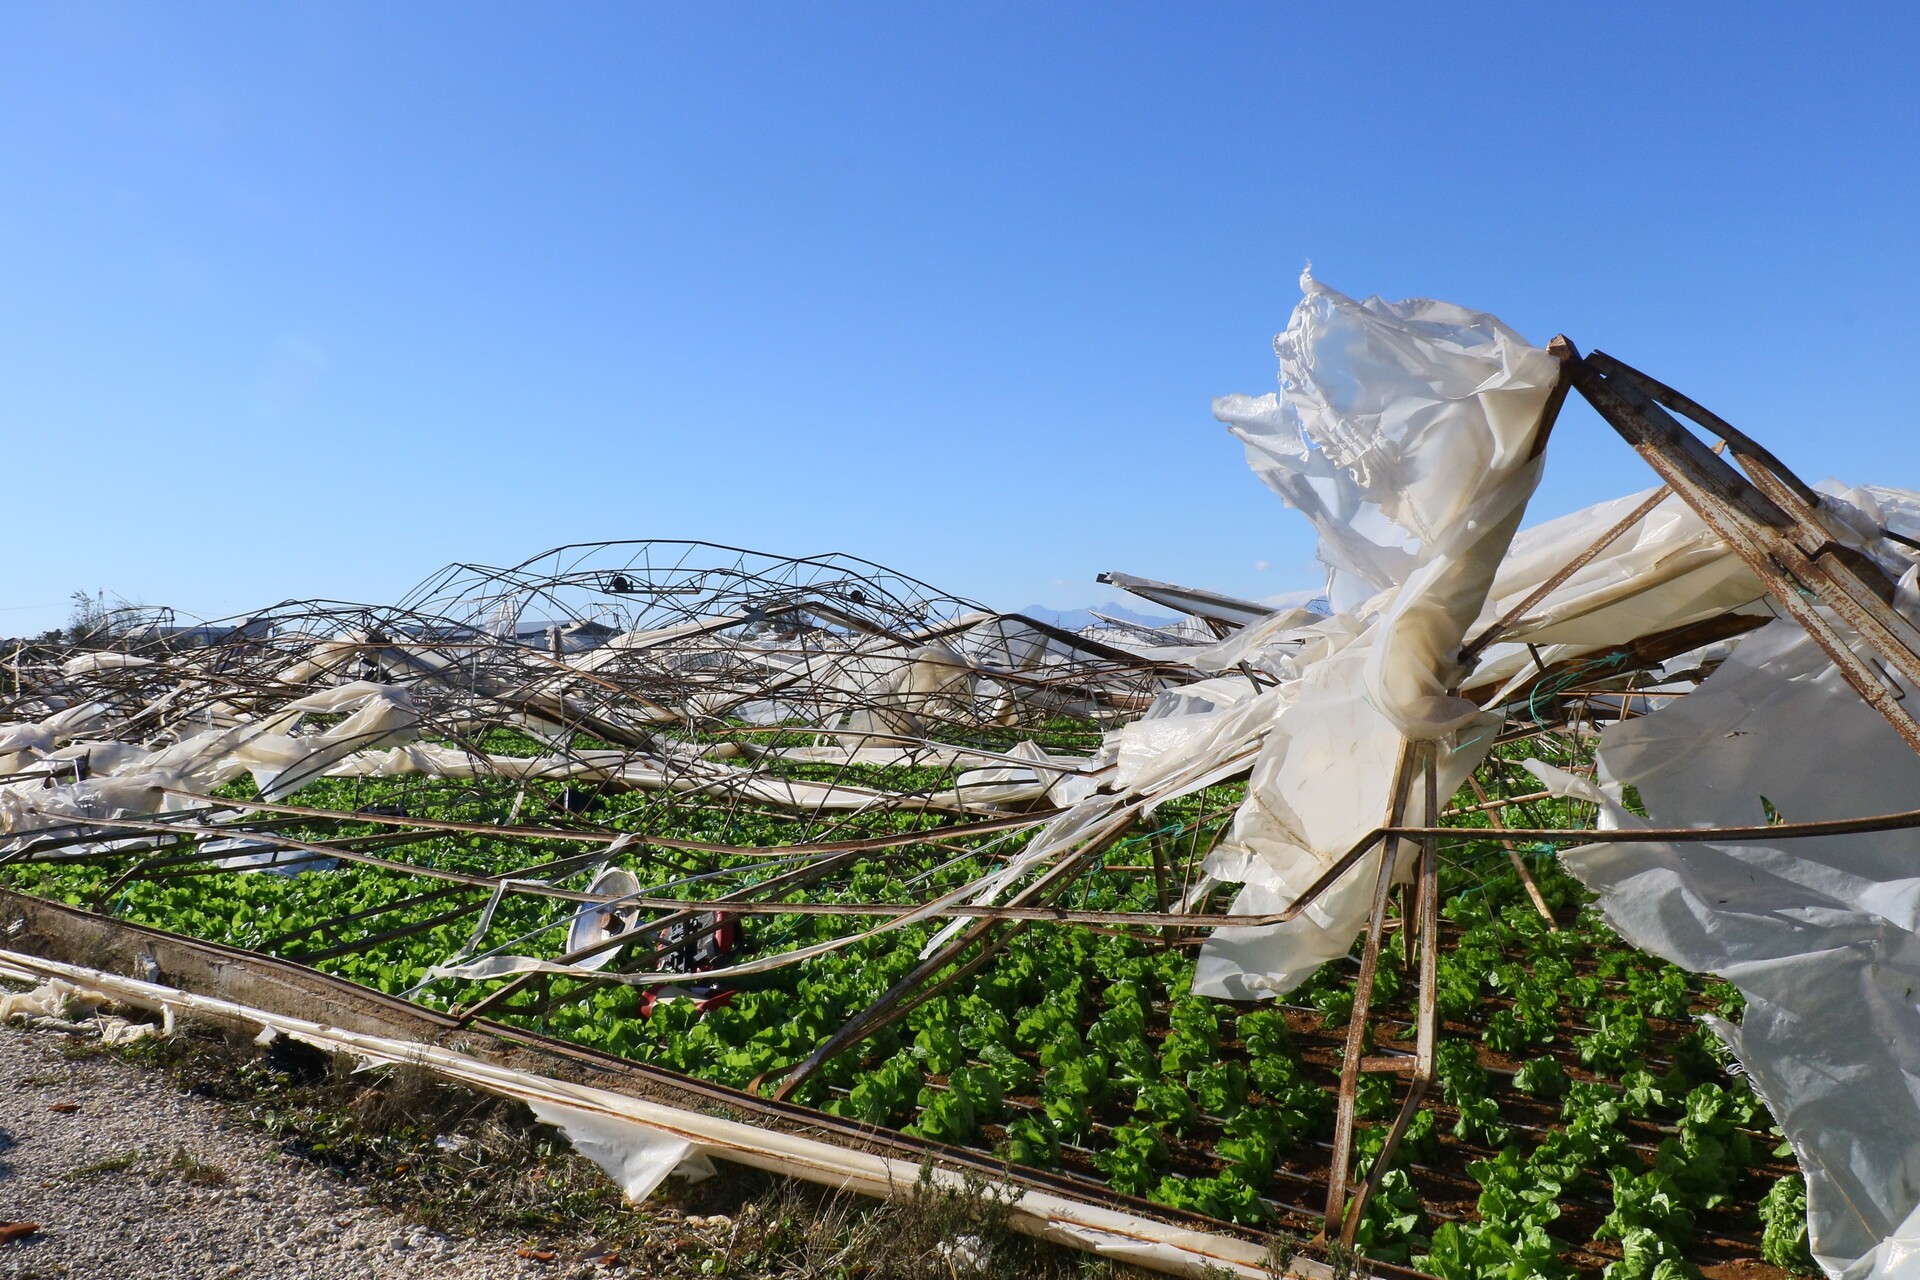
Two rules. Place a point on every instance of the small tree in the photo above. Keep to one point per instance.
(88, 621)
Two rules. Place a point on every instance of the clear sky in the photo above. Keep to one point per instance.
(309, 300)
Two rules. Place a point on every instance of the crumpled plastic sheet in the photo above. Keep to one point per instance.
(378, 739)
(1667, 570)
(1821, 935)
(1389, 419)
(1406, 432)
(53, 1004)
(134, 780)
(54, 998)
(637, 1157)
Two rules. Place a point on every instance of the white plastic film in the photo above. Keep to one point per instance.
(1407, 433)
(1821, 935)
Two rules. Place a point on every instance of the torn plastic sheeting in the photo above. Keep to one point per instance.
(1324, 779)
(100, 757)
(382, 715)
(1424, 416)
(91, 662)
(1044, 777)
(52, 1004)
(1406, 432)
(385, 717)
(31, 807)
(16, 739)
(1667, 570)
(1821, 935)
(615, 1119)
(933, 680)
(637, 1157)
(50, 999)
(221, 755)
(41, 736)
(1389, 420)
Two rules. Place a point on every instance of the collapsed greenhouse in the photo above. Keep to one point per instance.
(1536, 903)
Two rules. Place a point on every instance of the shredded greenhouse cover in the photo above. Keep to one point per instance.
(869, 836)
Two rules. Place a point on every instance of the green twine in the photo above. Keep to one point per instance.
(1553, 685)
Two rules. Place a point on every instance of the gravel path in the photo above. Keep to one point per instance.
(128, 1178)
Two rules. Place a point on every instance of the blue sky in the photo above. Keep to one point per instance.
(302, 300)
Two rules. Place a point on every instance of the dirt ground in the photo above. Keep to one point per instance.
(127, 1176)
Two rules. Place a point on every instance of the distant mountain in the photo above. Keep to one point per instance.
(1074, 619)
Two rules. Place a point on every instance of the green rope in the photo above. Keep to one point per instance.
(1552, 686)
(1175, 827)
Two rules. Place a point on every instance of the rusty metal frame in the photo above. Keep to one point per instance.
(1344, 1208)
(1771, 520)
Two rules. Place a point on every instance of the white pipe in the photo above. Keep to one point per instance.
(639, 1142)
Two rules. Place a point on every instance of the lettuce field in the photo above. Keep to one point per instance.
(1585, 1123)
